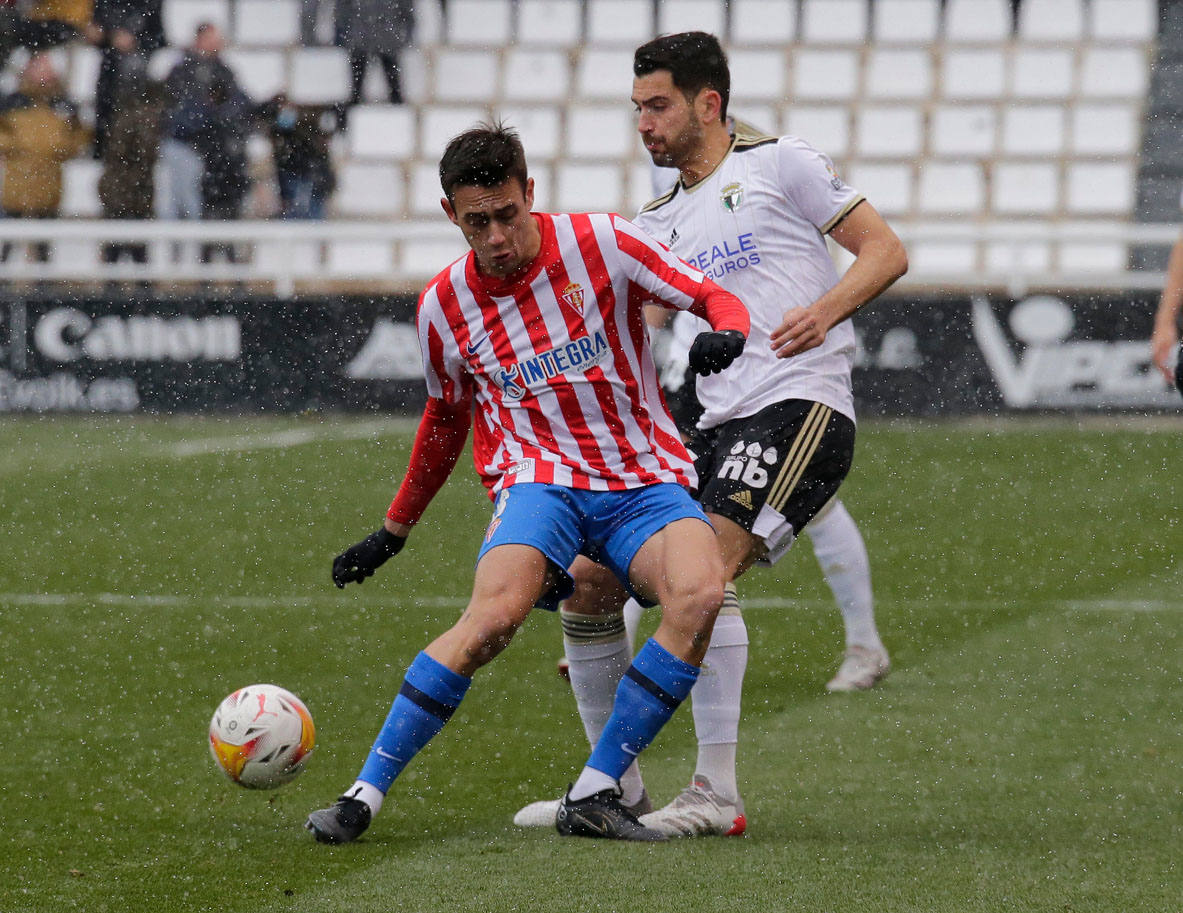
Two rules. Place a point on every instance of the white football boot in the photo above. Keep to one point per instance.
(861, 669)
(698, 811)
(544, 813)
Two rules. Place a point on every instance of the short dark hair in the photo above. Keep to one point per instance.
(487, 155)
(695, 60)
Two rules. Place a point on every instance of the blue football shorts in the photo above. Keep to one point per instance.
(607, 526)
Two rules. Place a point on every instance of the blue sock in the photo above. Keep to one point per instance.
(648, 694)
(430, 693)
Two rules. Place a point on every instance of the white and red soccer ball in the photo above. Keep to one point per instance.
(261, 735)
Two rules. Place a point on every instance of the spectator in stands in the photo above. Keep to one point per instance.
(310, 12)
(1164, 343)
(126, 32)
(39, 131)
(206, 119)
(300, 137)
(127, 184)
(43, 24)
(374, 28)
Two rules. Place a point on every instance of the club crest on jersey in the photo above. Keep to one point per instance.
(579, 355)
(732, 196)
(572, 296)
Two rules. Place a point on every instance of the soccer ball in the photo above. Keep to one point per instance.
(261, 736)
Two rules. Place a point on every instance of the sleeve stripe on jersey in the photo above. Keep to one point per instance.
(842, 213)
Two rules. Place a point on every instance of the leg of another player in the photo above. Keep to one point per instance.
(842, 555)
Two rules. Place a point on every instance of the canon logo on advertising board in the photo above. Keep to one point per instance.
(66, 334)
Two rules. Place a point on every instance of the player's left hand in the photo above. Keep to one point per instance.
(360, 561)
(714, 351)
(800, 331)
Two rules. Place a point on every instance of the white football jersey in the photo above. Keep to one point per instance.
(757, 225)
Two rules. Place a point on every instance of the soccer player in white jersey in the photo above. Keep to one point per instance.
(777, 433)
(537, 338)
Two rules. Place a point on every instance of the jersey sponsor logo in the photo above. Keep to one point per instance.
(579, 355)
(732, 196)
(743, 499)
(572, 296)
(743, 464)
(727, 256)
(1052, 370)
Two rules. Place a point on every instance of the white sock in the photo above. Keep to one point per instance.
(633, 611)
(840, 551)
(590, 782)
(597, 655)
(368, 793)
(715, 698)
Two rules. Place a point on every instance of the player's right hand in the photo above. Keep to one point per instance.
(360, 561)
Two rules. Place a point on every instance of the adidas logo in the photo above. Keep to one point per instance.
(742, 498)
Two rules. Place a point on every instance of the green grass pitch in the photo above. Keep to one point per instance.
(1025, 754)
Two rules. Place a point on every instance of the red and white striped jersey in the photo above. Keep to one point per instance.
(557, 360)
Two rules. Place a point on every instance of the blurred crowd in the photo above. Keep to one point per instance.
(174, 147)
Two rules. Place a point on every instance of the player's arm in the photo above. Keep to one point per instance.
(439, 441)
(1166, 320)
(879, 260)
(730, 324)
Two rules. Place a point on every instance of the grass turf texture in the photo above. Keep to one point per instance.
(1025, 754)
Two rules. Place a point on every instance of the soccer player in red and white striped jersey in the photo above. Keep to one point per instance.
(537, 337)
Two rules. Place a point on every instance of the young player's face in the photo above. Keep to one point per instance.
(666, 119)
(497, 225)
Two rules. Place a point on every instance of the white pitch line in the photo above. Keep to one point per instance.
(277, 440)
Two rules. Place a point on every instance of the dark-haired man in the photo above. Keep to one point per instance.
(776, 436)
(537, 337)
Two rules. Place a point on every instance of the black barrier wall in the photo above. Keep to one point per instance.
(928, 355)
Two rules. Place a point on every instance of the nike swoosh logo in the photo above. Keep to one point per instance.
(470, 349)
(628, 751)
(387, 755)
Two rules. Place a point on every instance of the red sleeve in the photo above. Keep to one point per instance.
(721, 309)
(438, 443)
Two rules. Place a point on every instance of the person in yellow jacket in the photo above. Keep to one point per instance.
(39, 131)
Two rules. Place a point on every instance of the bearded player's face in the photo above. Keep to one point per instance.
(666, 119)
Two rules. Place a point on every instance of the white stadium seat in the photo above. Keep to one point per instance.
(1100, 188)
(261, 73)
(464, 75)
(1025, 188)
(382, 132)
(270, 23)
(605, 75)
(539, 126)
(1033, 130)
(1123, 20)
(951, 188)
(84, 65)
(898, 73)
(429, 23)
(757, 74)
(888, 187)
(889, 131)
(1042, 73)
(80, 188)
(588, 187)
(424, 191)
(599, 132)
(550, 23)
(977, 21)
(181, 18)
(943, 258)
(438, 124)
(1060, 21)
(1122, 72)
(962, 131)
(1105, 129)
(762, 22)
(369, 189)
(358, 259)
(536, 74)
(691, 15)
(834, 21)
(318, 75)
(481, 23)
(1025, 256)
(973, 73)
(1093, 257)
(830, 75)
(619, 22)
(824, 127)
(906, 21)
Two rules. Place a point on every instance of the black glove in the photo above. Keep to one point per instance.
(714, 351)
(360, 561)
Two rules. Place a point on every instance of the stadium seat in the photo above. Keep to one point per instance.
(269, 23)
(80, 188)
(1100, 188)
(544, 187)
(297, 259)
(1033, 130)
(481, 23)
(763, 22)
(604, 74)
(429, 23)
(977, 21)
(824, 127)
(1059, 21)
(762, 117)
(539, 126)
(536, 74)
(1123, 20)
(464, 75)
(1042, 73)
(585, 187)
(1122, 72)
(962, 131)
(830, 75)
(1105, 129)
(181, 18)
(1025, 256)
(1025, 188)
(640, 187)
(889, 131)
(951, 188)
(359, 259)
(757, 74)
(619, 22)
(261, 73)
(898, 73)
(1093, 257)
(318, 75)
(834, 21)
(906, 21)
(425, 257)
(973, 73)
(599, 132)
(368, 189)
(943, 258)
(83, 70)
(438, 124)
(424, 191)
(887, 186)
(382, 132)
(691, 15)
(414, 70)
(550, 23)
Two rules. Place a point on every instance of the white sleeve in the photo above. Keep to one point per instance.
(809, 179)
